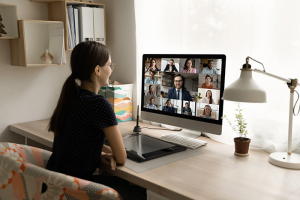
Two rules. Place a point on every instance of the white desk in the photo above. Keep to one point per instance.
(215, 174)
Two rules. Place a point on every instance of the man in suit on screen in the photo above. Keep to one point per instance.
(179, 92)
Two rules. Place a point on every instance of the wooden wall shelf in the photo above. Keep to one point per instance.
(34, 40)
(9, 20)
(57, 11)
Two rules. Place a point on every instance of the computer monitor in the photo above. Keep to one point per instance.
(184, 90)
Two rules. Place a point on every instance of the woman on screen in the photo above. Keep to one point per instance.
(207, 112)
(170, 67)
(208, 98)
(207, 83)
(152, 66)
(188, 66)
(82, 120)
(151, 91)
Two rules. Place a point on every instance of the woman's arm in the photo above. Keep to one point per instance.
(115, 140)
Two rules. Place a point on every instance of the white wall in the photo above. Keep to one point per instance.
(120, 32)
(27, 94)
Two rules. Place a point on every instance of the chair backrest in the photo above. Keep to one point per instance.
(22, 170)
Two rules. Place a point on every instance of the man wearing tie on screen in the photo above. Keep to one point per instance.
(179, 92)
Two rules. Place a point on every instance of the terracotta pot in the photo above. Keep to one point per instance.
(241, 147)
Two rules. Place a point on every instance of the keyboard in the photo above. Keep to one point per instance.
(184, 141)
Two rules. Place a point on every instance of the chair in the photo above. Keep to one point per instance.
(22, 173)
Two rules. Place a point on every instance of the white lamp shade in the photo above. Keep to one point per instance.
(245, 89)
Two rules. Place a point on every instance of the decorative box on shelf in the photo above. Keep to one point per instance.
(8, 21)
(36, 37)
(120, 97)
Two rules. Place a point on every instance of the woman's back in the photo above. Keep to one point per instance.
(77, 149)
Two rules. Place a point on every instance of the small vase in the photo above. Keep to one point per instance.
(241, 147)
(47, 57)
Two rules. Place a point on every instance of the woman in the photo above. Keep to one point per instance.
(170, 67)
(207, 112)
(188, 66)
(152, 66)
(82, 120)
(151, 91)
(207, 83)
(208, 99)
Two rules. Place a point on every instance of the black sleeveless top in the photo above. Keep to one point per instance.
(77, 149)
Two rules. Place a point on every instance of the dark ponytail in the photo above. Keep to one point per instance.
(84, 58)
(67, 96)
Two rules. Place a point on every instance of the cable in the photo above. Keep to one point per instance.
(296, 104)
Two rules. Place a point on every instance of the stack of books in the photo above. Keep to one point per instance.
(85, 24)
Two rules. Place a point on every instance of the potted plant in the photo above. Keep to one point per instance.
(198, 97)
(241, 142)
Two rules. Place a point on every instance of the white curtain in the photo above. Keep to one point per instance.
(268, 31)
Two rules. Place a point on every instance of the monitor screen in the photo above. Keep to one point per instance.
(184, 86)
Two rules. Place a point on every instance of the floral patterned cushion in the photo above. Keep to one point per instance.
(22, 173)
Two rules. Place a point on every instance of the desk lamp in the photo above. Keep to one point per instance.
(245, 89)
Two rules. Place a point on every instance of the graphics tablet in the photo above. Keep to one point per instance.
(140, 148)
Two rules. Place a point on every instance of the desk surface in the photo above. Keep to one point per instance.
(215, 174)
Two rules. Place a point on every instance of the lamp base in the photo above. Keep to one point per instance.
(282, 159)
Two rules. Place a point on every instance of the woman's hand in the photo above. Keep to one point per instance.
(108, 159)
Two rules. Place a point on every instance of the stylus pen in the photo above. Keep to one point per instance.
(137, 117)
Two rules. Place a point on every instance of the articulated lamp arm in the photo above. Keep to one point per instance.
(290, 82)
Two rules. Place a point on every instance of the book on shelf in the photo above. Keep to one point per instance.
(85, 24)
(70, 41)
(76, 25)
(99, 34)
(72, 27)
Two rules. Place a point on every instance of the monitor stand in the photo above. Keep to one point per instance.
(188, 133)
(183, 132)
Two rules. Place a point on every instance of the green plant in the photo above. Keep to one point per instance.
(198, 96)
(240, 127)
